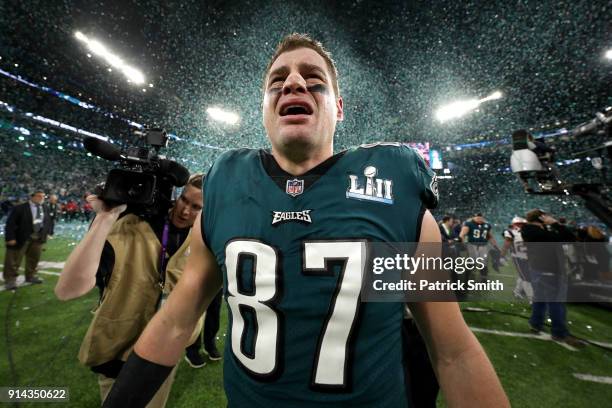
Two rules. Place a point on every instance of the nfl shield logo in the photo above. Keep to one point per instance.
(295, 187)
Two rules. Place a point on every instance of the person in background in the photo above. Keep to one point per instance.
(457, 225)
(26, 231)
(211, 327)
(597, 257)
(543, 235)
(476, 232)
(422, 386)
(53, 209)
(513, 243)
(139, 260)
(446, 229)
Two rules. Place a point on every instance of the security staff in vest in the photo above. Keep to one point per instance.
(141, 261)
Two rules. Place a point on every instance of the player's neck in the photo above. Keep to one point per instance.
(299, 163)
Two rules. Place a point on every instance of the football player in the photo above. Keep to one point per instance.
(284, 233)
(476, 231)
(513, 242)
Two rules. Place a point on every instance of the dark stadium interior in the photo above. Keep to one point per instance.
(398, 61)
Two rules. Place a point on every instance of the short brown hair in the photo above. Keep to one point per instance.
(534, 215)
(595, 233)
(294, 41)
(196, 181)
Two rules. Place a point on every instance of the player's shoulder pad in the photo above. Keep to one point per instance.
(231, 157)
(398, 149)
(379, 145)
(235, 154)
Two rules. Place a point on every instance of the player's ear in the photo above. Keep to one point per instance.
(340, 109)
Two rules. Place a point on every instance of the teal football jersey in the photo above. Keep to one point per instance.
(292, 252)
(477, 233)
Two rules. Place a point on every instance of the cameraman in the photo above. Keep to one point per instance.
(140, 262)
(543, 236)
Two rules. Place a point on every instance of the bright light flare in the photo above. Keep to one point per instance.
(223, 116)
(99, 49)
(456, 109)
(495, 95)
(134, 75)
(461, 108)
(608, 54)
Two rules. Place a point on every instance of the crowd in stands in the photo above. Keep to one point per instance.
(27, 166)
(481, 178)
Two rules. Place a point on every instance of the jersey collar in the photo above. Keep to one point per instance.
(280, 176)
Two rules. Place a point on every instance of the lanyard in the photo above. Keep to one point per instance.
(162, 273)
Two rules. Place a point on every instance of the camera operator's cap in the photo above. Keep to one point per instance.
(518, 220)
(535, 214)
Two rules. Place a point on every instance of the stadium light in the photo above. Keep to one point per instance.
(134, 75)
(493, 96)
(222, 116)
(461, 108)
(99, 49)
(608, 54)
(80, 36)
(456, 109)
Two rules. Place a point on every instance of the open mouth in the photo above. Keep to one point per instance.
(295, 109)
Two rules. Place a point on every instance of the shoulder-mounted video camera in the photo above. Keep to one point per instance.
(144, 180)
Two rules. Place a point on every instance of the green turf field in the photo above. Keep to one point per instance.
(40, 337)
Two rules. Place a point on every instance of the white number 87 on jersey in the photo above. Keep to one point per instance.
(330, 361)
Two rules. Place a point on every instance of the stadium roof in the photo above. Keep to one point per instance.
(397, 62)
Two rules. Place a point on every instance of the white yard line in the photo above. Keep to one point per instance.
(45, 264)
(594, 378)
(50, 273)
(21, 279)
(541, 336)
(53, 265)
(601, 343)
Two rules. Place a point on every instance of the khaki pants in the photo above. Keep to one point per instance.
(159, 399)
(12, 260)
